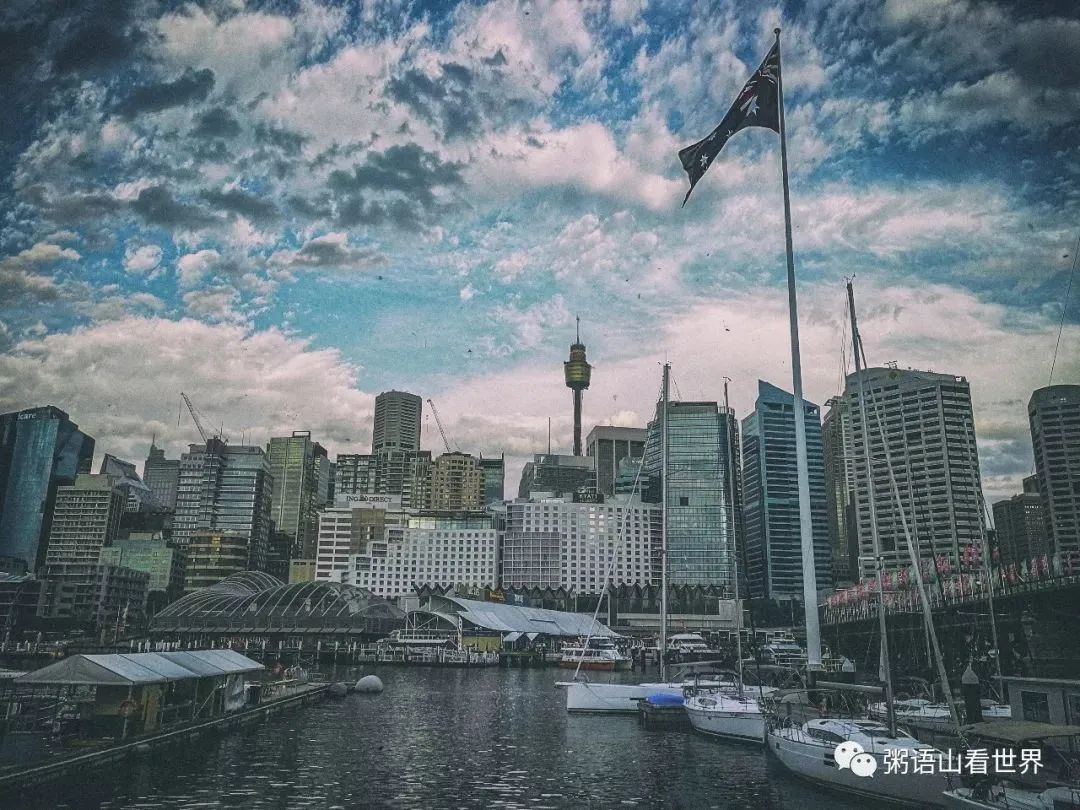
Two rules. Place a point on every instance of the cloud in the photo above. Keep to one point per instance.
(141, 258)
(191, 268)
(20, 274)
(252, 207)
(157, 206)
(261, 384)
(191, 86)
(216, 122)
(330, 250)
(214, 304)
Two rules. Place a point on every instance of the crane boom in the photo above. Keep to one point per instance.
(206, 435)
(438, 422)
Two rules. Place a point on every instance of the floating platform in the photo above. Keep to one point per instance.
(665, 714)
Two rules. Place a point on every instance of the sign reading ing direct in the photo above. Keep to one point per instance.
(389, 502)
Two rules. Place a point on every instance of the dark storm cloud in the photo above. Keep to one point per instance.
(446, 102)
(323, 253)
(408, 170)
(72, 209)
(217, 122)
(1047, 52)
(157, 206)
(288, 142)
(192, 85)
(247, 205)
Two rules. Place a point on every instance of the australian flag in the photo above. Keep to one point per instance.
(757, 105)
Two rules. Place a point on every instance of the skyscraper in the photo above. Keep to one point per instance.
(555, 476)
(494, 479)
(1020, 524)
(607, 445)
(397, 421)
(388, 472)
(771, 496)
(700, 502)
(1054, 413)
(296, 464)
(225, 490)
(578, 374)
(137, 495)
(930, 452)
(40, 450)
(457, 483)
(840, 490)
(86, 519)
(161, 475)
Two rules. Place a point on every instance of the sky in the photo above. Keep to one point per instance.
(284, 208)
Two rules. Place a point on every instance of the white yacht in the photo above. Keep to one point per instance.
(724, 713)
(1005, 797)
(807, 751)
(619, 698)
(596, 654)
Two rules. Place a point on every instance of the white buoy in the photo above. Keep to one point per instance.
(338, 690)
(369, 684)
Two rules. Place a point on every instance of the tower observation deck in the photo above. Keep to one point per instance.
(578, 374)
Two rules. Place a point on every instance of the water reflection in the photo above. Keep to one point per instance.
(447, 738)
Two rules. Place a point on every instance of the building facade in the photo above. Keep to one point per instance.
(432, 551)
(211, 556)
(296, 496)
(388, 472)
(771, 497)
(150, 553)
(607, 445)
(86, 519)
(556, 476)
(347, 528)
(457, 483)
(1020, 525)
(839, 456)
(701, 468)
(226, 490)
(162, 476)
(494, 470)
(929, 450)
(41, 449)
(580, 546)
(397, 421)
(1054, 415)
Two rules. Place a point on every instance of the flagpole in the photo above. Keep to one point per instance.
(806, 529)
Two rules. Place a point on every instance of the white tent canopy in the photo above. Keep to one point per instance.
(133, 669)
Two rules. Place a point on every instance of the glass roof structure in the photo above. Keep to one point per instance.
(512, 619)
(256, 603)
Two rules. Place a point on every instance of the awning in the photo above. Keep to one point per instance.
(510, 638)
(132, 669)
(531, 636)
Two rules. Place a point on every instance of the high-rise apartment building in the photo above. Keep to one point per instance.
(162, 476)
(225, 490)
(771, 497)
(397, 421)
(457, 483)
(214, 555)
(580, 546)
(388, 472)
(297, 465)
(1054, 414)
(607, 445)
(1020, 524)
(836, 441)
(929, 450)
(701, 502)
(41, 449)
(86, 519)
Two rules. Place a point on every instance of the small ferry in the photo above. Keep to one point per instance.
(597, 654)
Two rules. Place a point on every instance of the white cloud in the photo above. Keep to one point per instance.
(214, 304)
(258, 385)
(141, 258)
(191, 268)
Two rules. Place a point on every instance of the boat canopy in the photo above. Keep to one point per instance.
(504, 618)
(132, 669)
(1018, 731)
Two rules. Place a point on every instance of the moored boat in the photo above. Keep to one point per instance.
(728, 715)
(595, 654)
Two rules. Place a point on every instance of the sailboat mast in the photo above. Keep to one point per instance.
(663, 521)
(806, 530)
(875, 538)
(734, 540)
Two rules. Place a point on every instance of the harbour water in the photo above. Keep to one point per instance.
(442, 738)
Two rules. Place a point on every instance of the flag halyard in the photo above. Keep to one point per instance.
(757, 105)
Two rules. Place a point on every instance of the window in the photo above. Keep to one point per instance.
(684, 500)
(1036, 706)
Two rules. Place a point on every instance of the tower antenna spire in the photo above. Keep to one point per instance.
(577, 373)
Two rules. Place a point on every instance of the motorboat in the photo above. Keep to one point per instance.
(691, 647)
(623, 698)
(595, 654)
(727, 714)
(807, 750)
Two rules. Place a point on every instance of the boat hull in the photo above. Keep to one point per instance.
(594, 666)
(731, 725)
(815, 763)
(612, 698)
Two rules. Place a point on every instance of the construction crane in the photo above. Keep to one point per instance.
(438, 422)
(195, 414)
